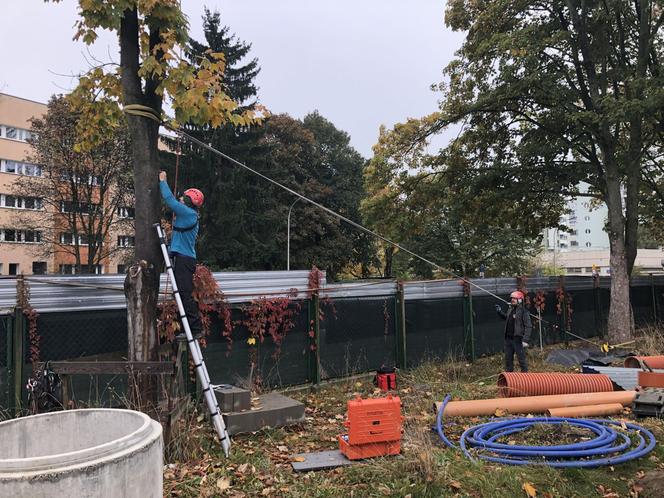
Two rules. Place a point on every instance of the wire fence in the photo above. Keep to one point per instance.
(331, 337)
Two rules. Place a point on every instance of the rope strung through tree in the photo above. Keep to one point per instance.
(147, 112)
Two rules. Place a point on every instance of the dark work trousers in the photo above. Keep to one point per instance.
(514, 345)
(184, 268)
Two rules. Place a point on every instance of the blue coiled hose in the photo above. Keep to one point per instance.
(609, 447)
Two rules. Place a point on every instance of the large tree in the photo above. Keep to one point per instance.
(151, 34)
(445, 216)
(224, 221)
(555, 92)
(83, 192)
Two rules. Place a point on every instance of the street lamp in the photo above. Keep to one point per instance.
(288, 234)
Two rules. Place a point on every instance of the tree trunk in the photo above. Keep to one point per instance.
(620, 324)
(142, 281)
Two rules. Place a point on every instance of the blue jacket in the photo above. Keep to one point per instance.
(183, 243)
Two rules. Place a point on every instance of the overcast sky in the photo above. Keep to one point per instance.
(360, 63)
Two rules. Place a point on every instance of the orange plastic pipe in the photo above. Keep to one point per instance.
(512, 384)
(586, 411)
(651, 379)
(533, 404)
(652, 361)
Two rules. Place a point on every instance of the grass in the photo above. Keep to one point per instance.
(260, 464)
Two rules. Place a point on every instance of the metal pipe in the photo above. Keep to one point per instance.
(533, 404)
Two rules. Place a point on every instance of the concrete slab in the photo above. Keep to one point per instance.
(321, 460)
(272, 410)
(232, 398)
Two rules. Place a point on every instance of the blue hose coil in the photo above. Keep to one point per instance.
(608, 447)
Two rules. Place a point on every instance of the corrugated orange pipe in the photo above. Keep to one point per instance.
(533, 404)
(652, 361)
(586, 411)
(513, 384)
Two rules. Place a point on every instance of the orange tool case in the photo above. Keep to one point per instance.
(374, 428)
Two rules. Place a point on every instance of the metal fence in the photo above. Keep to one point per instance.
(338, 331)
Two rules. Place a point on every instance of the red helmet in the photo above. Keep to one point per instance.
(196, 196)
(517, 295)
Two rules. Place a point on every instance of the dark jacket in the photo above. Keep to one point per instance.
(523, 327)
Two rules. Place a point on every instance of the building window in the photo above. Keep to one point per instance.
(12, 201)
(587, 230)
(66, 238)
(126, 212)
(587, 218)
(13, 268)
(19, 168)
(126, 241)
(96, 269)
(14, 133)
(71, 269)
(25, 236)
(66, 269)
(39, 267)
(1, 268)
(574, 243)
(78, 207)
(588, 244)
(122, 268)
(572, 232)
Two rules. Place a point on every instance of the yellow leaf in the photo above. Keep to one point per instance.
(299, 459)
(223, 484)
(500, 412)
(530, 490)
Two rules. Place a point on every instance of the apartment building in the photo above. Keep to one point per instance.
(34, 238)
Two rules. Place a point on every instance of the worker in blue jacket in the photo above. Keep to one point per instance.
(183, 245)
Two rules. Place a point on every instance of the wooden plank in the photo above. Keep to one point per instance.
(112, 367)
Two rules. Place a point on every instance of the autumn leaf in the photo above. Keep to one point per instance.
(223, 484)
(298, 459)
(530, 490)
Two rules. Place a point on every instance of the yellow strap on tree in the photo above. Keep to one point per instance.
(143, 111)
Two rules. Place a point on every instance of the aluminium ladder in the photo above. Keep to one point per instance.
(195, 349)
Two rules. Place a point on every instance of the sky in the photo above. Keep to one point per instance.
(360, 63)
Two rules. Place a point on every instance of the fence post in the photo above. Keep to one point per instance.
(9, 381)
(402, 357)
(468, 322)
(597, 306)
(18, 352)
(655, 314)
(563, 310)
(314, 335)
